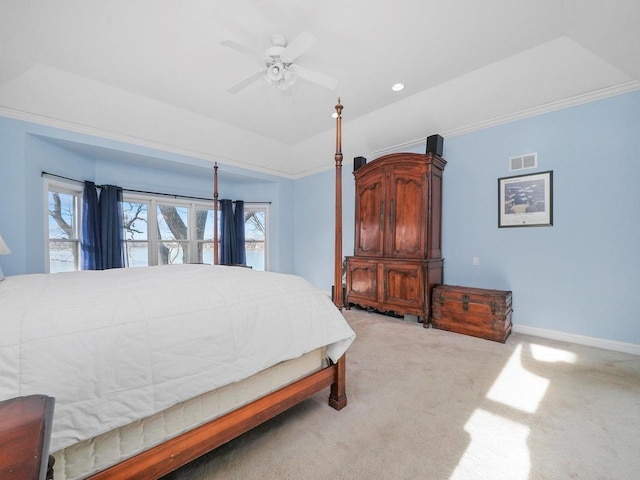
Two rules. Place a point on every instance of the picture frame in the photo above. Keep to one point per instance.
(526, 200)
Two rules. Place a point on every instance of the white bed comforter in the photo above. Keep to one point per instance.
(119, 345)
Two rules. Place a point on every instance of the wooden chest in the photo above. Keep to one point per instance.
(478, 312)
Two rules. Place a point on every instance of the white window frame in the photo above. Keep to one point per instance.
(265, 207)
(152, 202)
(70, 189)
(135, 198)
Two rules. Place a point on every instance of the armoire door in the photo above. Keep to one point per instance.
(403, 287)
(406, 196)
(362, 281)
(370, 207)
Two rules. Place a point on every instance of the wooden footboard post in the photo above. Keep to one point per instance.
(337, 268)
(338, 396)
(215, 213)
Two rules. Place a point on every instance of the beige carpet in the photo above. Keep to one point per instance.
(429, 404)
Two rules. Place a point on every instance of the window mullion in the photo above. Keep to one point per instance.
(152, 231)
(192, 234)
(77, 200)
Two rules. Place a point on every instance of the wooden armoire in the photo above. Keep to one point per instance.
(398, 239)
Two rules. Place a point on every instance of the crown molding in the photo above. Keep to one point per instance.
(132, 140)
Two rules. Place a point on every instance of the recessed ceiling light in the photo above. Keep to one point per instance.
(334, 114)
(397, 87)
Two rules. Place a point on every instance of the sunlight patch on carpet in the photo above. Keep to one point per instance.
(498, 449)
(542, 353)
(516, 386)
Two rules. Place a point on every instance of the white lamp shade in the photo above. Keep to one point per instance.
(3, 246)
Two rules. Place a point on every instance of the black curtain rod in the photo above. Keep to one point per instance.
(43, 173)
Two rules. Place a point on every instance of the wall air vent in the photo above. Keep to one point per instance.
(529, 160)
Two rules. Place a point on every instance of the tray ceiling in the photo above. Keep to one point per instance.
(155, 73)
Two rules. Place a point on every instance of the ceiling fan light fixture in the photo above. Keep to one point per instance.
(280, 74)
(275, 72)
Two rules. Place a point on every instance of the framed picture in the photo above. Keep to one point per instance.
(526, 200)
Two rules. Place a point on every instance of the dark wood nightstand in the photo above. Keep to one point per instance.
(25, 430)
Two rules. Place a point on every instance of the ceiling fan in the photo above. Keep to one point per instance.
(278, 67)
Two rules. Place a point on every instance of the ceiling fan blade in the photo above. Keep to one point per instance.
(242, 49)
(246, 82)
(315, 77)
(298, 46)
(287, 98)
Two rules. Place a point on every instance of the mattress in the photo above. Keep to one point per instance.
(93, 455)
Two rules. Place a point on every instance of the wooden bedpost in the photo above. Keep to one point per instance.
(215, 213)
(337, 267)
(338, 395)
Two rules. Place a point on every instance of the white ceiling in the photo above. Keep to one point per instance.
(153, 72)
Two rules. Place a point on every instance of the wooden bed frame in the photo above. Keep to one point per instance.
(172, 454)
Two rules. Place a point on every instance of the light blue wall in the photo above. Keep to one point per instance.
(27, 149)
(314, 218)
(580, 276)
(12, 185)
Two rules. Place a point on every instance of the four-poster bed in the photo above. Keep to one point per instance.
(208, 421)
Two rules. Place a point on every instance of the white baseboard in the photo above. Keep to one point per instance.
(632, 348)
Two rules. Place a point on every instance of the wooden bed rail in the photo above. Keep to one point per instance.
(173, 454)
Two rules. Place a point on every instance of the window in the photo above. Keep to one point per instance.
(63, 205)
(183, 230)
(135, 232)
(204, 234)
(255, 233)
(158, 231)
(173, 234)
